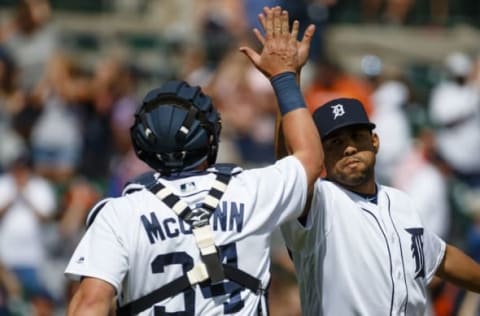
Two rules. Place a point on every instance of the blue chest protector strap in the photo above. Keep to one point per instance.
(211, 270)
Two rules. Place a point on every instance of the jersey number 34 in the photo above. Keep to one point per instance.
(228, 255)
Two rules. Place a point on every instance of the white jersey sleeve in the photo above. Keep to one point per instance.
(102, 252)
(434, 249)
(281, 191)
(298, 236)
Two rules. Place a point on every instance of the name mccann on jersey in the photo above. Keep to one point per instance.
(228, 216)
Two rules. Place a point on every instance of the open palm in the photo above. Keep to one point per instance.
(303, 45)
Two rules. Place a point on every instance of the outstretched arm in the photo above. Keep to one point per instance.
(459, 269)
(279, 61)
(281, 149)
(303, 46)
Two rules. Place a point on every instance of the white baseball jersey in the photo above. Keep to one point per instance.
(138, 244)
(355, 257)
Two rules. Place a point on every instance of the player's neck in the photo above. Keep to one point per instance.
(203, 166)
(367, 189)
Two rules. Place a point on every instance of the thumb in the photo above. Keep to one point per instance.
(251, 54)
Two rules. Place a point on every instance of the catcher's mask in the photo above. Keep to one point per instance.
(176, 128)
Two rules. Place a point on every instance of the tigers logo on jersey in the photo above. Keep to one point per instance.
(417, 251)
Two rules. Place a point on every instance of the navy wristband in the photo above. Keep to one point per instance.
(288, 94)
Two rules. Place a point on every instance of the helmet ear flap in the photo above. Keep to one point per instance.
(140, 130)
(142, 136)
(212, 152)
(147, 131)
(214, 140)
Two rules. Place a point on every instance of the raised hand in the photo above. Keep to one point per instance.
(303, 46)
(280, 51)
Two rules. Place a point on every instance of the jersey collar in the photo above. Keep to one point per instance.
(371, 198)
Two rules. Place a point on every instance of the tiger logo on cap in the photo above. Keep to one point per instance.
(337, 110)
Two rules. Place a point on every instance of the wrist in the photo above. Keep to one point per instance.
(288, 93)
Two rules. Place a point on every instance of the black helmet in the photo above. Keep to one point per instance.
(176, 128)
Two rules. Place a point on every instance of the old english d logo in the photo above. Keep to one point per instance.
(417, 251)
(337, 110)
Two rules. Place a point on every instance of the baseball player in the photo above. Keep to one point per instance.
(193, 238)
(360, 248)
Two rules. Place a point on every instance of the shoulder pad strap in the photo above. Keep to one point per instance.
(129, 188)
(94, 211)
(228, 169)
(145, 180)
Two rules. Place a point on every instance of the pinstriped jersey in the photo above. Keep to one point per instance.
(355, 257)
(137, 244)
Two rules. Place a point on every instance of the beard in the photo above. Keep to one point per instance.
(356, 177)
(352, 179)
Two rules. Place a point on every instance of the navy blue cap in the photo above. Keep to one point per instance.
(339, 113)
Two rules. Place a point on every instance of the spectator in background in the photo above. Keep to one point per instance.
(475, 77)
(455, 112)
(387, 11)
(247, 104)
(424, 176)
(10, 291)
(399, 11)
(9, 90)
(26, 202)
(74, 206)
(194, 67)
(104, 124)
(75, 201)
(311, 12)
(251, 9)
(56, 135)
(125, 164)
(12, 101)
(330, 82)
(390, 97)
(32, 40)
(389, 100)
(94, 118)
(221, 23)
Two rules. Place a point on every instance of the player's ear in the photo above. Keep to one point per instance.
(375, 142)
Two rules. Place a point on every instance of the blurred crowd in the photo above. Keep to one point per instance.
(64, 136)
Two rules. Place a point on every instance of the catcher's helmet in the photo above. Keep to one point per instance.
(176, 128)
